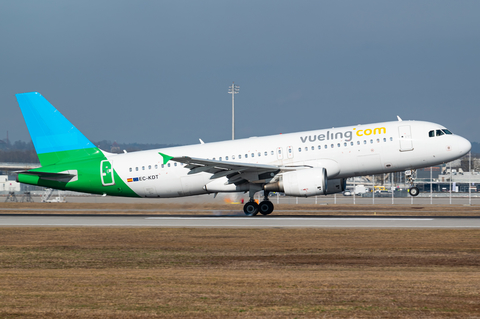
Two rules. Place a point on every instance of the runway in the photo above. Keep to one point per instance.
(237, 221)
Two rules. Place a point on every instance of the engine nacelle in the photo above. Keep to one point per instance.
(336, 185)
(304, 182)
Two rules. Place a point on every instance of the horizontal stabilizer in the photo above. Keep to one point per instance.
(44, 174)
(66, 176)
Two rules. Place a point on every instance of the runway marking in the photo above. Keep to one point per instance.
(242, 222)
(234, 226)
(293, 218)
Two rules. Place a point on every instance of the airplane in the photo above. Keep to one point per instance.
(309, 163)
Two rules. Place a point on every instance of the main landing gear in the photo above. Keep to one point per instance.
(252, 208)
(410, 174)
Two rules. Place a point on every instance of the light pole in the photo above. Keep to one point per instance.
(233, 89)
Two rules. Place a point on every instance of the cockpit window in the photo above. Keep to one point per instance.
(439, 132)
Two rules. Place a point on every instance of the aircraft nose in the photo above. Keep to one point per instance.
(462, 145)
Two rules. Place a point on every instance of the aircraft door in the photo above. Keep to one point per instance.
(106, 173)
(405, 135)
(290, 152)
(279, 153)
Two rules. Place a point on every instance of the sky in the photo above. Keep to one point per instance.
(159, 71)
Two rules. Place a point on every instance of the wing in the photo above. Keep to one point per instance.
(237, 173)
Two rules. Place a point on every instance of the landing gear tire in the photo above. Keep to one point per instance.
(414, 191)
(265, 207)
(250, 209)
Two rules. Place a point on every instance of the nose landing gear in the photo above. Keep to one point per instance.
(413, 190)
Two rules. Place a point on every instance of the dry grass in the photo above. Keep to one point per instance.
(203, 273)
(209, 208)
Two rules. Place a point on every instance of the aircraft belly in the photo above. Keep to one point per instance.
(193, 184)
(158, 186)
(169, 186)
(173, 185)
(370, 163)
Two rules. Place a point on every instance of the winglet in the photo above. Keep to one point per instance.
(166, 158)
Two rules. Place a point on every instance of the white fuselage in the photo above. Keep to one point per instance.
(345, 152)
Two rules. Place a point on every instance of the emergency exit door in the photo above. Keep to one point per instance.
(106, 173)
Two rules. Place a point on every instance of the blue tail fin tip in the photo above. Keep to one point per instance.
(49, 129)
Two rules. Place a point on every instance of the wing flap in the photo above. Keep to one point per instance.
(236, 172)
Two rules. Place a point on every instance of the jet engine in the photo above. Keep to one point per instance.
(336, 185)
(304, 182)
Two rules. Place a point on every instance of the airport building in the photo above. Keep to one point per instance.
(9, 184)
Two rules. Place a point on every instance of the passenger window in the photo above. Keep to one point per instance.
(259, 154)
(384, 139)
(226, 158)
(338, 144)
(136, 169)
(364, 141)
(313, 148)
(440, 133)
(156, 166)
(358, 142)
(233, 156)
(220, 158)
(143, 168)
(168, 164)
(326, 146)
(332, 146)
(299, 149)
(213, 158)
(239, 156)
(351, 143)
(246, 155)
(319, 147)
(253, 154)
(130, 169)
(378, 140)
(149, 166)
(431, 134)
(175, 164)
(391, 139)
(266, 153)
(163, 165)
(272, 152)
(306, 148)
(279, 151)
(345, 144)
